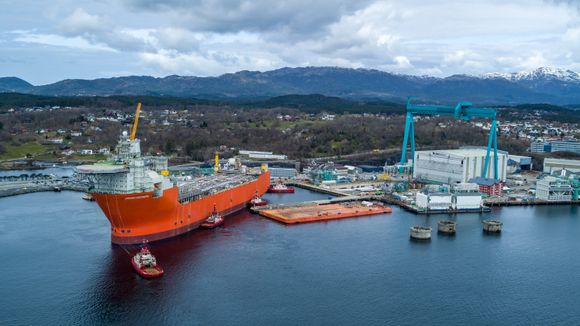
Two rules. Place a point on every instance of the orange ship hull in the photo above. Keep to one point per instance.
(139, 216)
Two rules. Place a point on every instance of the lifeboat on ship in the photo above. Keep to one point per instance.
(214, 220)
(145, 264)
(280, 188)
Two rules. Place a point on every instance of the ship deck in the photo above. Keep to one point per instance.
(201, 186)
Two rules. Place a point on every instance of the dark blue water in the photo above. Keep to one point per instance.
(58, 267)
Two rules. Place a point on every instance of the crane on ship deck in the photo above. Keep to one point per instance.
(462, 111)
(136, 122)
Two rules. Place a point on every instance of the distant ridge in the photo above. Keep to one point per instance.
(14, 84)
(543, 85)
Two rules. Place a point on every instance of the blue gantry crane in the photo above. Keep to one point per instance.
(464, 111)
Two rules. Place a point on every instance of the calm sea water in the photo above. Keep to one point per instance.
(58, 267)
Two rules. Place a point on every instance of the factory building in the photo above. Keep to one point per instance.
(555, 146)
(555, 166)
(456, 165)
(540, 147)
(434, 198)
(259, 155)
(566, 146)
(467, 201)
(284, 173)
(333, 173)
(488, 186)
(553, 189)
(517, 163)
(434, 201)
(464, 196)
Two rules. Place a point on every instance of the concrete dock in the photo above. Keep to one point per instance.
(12, 190)
(315, 188)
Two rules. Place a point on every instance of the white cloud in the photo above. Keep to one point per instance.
(298, 18)
(79, 22)
(76, 42)
(403, 62)
(207, 64)
(438, 37)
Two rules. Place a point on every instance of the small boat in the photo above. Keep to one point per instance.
(88, 196)
(56, 189)
(280, 188)
(257, 201)
(145, 264)
(214, 220)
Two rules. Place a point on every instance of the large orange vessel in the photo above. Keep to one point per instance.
(142, 202)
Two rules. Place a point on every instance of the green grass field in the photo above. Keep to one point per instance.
(15, 152)
(42, 152)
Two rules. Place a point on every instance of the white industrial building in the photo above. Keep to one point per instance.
(540, 147)
(555, 166)
(268, 156)
(433, 201)
(456, 165)
(262, 155)
(466, 201)
(553, 189)
(465, 196)
(566, 146)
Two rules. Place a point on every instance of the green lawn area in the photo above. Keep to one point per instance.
(15, 152)
(42, 152)
(94, 158)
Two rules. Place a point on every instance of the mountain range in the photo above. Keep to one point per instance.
(543, 85)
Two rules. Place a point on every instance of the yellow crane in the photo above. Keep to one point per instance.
(134, 128)
(217, 162)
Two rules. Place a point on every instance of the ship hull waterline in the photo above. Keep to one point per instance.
(140, 216)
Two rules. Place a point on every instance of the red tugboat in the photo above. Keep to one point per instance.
(257, 201)
(214, 220)
(280, 188)
(145, 264)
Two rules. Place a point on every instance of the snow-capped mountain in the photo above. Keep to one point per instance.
(542, 73)
(543, 85)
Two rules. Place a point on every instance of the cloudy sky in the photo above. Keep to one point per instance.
(45, 41)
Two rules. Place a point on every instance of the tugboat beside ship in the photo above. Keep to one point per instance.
(280, 188)
(213, 221)
(145, 264)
